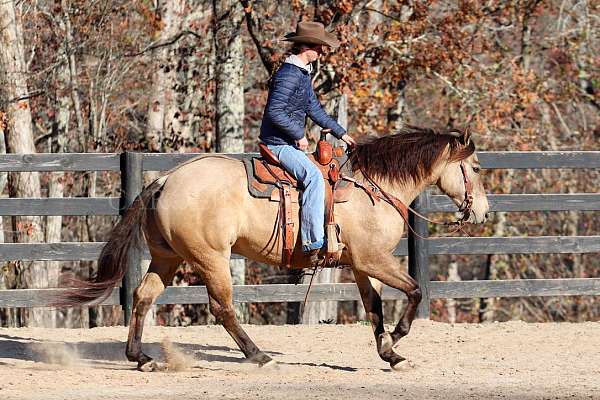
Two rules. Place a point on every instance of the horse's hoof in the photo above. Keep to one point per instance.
(386, 350)
(261, 359)
(151, 366)
(402, 366)
(269, 364)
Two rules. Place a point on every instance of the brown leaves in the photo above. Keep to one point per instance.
(153, 18)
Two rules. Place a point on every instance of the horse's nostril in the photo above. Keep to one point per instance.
(487, 215)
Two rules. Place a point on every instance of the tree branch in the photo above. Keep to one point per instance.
(381, 13)
(167, 42)
(264, 53)
(27, 96)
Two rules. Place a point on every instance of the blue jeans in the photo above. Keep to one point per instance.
(312, 218)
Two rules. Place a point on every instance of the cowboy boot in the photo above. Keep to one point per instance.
(319, 257)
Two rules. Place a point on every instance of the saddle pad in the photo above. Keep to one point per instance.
(261, 183)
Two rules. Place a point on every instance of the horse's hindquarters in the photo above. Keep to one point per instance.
(205, 208)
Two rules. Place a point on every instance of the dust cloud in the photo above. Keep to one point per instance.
(175, 359)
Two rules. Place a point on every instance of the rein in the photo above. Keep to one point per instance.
(376, 192)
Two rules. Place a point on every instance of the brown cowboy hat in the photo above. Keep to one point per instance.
(312, 33)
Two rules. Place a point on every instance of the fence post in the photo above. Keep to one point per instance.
(131, 187)
(418, 253)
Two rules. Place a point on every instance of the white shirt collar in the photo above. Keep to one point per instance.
(295, 60)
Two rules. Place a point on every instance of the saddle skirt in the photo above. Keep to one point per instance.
(264, 179)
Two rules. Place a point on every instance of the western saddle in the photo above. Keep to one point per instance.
(267, 179)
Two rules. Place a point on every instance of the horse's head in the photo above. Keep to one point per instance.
(460, 178)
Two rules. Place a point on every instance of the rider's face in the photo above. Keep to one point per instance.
(314, 52)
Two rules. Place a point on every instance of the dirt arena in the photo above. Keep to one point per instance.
(495, 361)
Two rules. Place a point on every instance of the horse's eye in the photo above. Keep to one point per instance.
(476, 170)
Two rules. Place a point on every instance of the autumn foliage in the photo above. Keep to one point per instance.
(525, 73)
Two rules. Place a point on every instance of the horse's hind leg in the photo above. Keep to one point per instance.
(160, 274)
(217, 277)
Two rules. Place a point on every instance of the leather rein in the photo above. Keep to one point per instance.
(377, 193)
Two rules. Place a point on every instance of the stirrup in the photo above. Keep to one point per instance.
(318, 257)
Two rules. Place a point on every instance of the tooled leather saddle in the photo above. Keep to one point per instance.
(267, 179)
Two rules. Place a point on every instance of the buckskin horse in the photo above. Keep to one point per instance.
(202, 211)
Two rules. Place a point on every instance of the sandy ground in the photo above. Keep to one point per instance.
(495, 361)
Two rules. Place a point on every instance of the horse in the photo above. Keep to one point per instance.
(202, 212)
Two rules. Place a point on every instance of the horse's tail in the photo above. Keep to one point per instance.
(112, 263)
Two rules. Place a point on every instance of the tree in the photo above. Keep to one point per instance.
(19, 139)
(229, 97)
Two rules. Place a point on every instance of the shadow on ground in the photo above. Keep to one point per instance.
(107, 355)
(28, 349)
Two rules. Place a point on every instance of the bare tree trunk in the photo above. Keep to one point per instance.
(162, 96)
(19, 139)
(229, 101)
(55, 183)
(8, 316)
(3, 175)
(199, 63)
(65, 23)
(453, 276)
(495, 262)
(53, 233)
(327, 311)
(163, 106)
(571, 221)
(69, 107)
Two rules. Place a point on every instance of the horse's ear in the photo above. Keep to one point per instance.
(466, 138)
(467, 135)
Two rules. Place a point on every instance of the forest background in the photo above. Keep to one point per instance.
(191, 76)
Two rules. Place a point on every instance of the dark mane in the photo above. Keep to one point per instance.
(408, 154)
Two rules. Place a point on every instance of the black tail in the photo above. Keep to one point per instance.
(112, 263)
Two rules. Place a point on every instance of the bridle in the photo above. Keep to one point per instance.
(467, 205)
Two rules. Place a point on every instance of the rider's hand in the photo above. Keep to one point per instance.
(349, 140)
(302, 143)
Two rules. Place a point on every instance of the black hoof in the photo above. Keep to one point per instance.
(386, 352)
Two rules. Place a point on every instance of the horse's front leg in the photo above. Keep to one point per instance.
(370, 292)
(389, 271)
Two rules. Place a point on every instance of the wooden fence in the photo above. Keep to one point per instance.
(131, 166)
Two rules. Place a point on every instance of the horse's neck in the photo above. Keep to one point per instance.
(405, 191)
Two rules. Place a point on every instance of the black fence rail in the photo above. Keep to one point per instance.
(132, 165)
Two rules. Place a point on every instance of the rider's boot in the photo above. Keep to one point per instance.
(318, 257)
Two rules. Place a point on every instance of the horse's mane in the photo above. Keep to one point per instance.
(409, 154)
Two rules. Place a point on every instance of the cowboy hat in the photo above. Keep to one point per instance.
(312, 33)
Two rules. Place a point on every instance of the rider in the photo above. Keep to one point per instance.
(291, 99)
